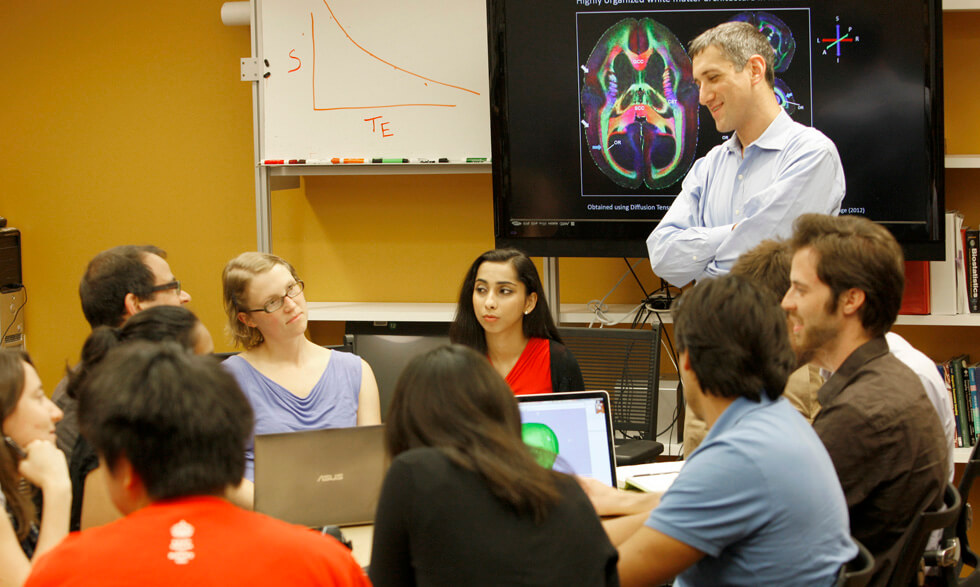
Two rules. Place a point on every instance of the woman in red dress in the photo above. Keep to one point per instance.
(502, 313)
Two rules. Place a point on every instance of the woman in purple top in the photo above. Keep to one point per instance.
(292, 383)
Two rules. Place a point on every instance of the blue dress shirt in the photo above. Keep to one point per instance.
(789, 170)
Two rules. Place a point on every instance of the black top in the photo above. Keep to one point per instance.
(565, 372)
(887, 445)
(439, 524)
(83, 461)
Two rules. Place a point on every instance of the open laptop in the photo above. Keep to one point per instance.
(578, 425)
(320, 478)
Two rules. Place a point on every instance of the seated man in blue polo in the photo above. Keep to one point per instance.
(758, 503)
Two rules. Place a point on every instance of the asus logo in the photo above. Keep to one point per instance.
(325, 478)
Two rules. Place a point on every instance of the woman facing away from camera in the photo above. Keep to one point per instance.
(503, 314)
(292, 383)
(156, 324)
(29, 460)
(464, 502)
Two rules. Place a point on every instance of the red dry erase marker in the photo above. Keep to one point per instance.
(275, 161)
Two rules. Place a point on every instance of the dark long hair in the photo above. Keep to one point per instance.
(538, 323)
(155, 324)
(12, 379)
(451, 399)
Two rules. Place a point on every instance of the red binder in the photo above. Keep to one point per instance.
(915, 300)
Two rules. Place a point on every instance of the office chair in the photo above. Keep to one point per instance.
(956, 552)
(857, 571)
(914, 542)
(625, 363)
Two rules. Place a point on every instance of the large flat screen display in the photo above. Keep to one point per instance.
(590, 146)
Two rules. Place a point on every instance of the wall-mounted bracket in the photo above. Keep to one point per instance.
(251, 69)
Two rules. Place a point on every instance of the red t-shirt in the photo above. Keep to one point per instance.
(197, 541)
(532, 373)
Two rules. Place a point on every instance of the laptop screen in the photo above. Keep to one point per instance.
(573, 432)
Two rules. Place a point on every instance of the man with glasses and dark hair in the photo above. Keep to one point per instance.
(117, 283)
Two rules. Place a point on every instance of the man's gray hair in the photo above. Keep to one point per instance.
(738, 41)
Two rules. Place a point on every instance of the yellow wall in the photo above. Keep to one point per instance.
(121, 122)
(126, 123)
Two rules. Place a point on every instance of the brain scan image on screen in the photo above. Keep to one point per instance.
(784, 96)
(779, 35)
(640, 105)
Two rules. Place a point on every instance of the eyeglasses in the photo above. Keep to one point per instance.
(272, 305)
(174, 285)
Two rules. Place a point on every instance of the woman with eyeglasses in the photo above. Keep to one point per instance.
(292, 383)
(29, 460)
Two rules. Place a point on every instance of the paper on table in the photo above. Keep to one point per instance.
(652, 478)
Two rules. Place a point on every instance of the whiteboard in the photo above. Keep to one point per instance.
(373, 78)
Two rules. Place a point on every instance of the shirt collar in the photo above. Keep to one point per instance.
(840, 378)
(737, 410)
(773, 138)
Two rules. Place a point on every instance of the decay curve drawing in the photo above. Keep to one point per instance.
(366, 51)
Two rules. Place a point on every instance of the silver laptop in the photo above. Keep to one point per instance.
(321, 477)
(577, 427)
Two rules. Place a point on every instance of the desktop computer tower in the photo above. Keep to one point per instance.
(12, 303)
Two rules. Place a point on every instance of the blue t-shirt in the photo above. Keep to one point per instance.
(761, 499)
(332, 403)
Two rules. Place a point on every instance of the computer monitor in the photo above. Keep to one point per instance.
(389, 346)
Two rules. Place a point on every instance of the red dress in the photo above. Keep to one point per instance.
(532, 373)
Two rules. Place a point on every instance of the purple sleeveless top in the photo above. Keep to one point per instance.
(331, 404)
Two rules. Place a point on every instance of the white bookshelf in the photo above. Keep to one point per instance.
(962, 161)
(570, 314)
(961, 5)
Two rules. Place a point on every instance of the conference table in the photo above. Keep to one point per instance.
(361, 536)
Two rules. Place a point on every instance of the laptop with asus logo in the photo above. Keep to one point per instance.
(320, 478)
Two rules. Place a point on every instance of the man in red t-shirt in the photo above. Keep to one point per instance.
(171, 429)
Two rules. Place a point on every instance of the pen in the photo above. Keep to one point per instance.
(384, 160)
(476, 159)
(16, 447)
(274, 161)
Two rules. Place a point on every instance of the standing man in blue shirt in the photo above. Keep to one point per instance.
(752, 186)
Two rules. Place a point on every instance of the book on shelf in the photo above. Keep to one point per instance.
(961, 396)
(915, 298)
(962, 288)
(973, 268)
(942, 274)
(970, 380)
(945, 371)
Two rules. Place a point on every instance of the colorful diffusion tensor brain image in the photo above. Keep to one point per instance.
(784, 47)
(779, 35)
(640, 105)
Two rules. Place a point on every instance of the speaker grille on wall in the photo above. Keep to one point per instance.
(11, 277)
